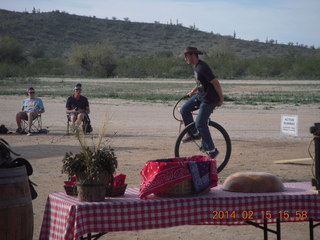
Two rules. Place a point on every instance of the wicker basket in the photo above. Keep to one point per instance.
(71, 190)
(182, 189)
(116, 191)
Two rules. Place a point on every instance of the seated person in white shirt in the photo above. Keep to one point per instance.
(31, 108)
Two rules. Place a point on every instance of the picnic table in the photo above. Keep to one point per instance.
(65, 217)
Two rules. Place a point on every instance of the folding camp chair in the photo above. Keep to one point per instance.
(86, 124)
(36, 125)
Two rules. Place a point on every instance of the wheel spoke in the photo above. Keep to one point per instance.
(221, 140)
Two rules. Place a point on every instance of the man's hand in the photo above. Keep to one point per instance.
(189, 94)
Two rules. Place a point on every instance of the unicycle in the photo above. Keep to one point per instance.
(219, 135)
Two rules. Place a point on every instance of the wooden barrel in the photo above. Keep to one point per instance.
(16, 213)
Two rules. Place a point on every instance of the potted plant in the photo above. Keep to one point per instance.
(93, 167)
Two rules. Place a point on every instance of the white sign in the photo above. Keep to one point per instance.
(289, 125)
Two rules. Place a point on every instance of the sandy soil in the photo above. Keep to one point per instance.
(143, 131)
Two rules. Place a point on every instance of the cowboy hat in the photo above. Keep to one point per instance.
(192, 50)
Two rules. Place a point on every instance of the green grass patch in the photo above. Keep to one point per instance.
(165, 90)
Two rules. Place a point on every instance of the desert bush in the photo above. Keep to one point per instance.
(6, 70)
(97, 59)
(264, 67)
(297, 67)
(306, 67)
(47, 66)
(10, 50)
(228, 68)
(153, 66)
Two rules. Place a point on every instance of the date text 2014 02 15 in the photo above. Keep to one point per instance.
(253, 215)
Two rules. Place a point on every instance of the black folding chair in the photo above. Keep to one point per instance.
(86, 124)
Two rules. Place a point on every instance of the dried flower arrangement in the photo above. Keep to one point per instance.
(94, 165)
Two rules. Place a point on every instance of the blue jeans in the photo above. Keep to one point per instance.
(205, 110)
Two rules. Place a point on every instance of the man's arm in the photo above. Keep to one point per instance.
(68, 107)
(87, 110)
(193, 91)
(71, 111)
(217, 87)
(41, 107)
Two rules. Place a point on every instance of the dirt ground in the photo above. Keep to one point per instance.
(143, 131)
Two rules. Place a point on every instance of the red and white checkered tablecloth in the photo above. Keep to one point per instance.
(67, 218)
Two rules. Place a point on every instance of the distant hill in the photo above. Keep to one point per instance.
(55, 33)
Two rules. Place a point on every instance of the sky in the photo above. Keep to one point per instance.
(294, 21)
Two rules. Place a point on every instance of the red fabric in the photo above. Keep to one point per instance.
(72, 181)
(118, 179)
(160, 174)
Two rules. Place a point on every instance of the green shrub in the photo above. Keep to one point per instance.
(10, 50)
(45, 66)
(152, 66)
(306, 68)
(97, 59)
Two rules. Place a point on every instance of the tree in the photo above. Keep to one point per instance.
(97, 59)
(222, 50)
(10, 50)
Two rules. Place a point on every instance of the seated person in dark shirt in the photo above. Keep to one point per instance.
(77, 106)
